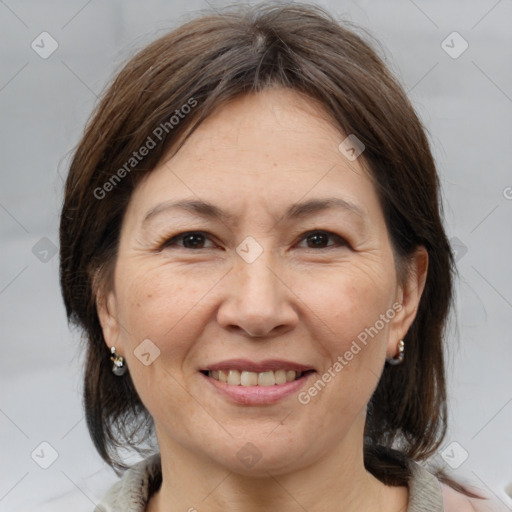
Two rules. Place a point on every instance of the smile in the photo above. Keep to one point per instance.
(249, 378)
(248, 394)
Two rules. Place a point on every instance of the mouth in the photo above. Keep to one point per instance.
(246, 378)
(249, 383)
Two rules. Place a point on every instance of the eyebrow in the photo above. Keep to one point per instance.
(295, 211)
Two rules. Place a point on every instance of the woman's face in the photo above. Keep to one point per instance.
(289, 266)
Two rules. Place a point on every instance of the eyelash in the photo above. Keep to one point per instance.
(170, 242)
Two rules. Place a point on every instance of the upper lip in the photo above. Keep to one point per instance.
(261, 366)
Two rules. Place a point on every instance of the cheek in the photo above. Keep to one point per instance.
(348, 305)
(163, 305)
(349, 300)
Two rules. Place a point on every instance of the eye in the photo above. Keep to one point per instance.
(316, 239)
(188, 240)
(320, 239)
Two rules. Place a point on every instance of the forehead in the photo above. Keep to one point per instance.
(273, 149)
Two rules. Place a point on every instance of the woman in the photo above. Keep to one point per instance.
(251, 240)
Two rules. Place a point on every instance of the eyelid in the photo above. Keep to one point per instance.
(341, 239)
(173, 241)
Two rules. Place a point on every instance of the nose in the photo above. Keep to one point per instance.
(257, 300)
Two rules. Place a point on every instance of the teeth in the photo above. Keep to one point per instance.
(266, 379)
(290, 375)
(234, 378)
(249, 379)
(280, 376)
(245, 378)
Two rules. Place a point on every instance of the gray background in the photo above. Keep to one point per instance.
(466, 104)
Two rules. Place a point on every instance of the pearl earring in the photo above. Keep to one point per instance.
(399, 358)
(119, 366)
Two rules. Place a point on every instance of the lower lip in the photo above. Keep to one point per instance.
(258, 395)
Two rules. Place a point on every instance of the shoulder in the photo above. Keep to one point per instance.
(428, 492)
(455, 501)
(134, 489)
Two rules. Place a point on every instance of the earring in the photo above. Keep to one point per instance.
(119, 366)
(399, 358)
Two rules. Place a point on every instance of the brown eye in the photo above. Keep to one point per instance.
(320, 240)
(193, 240)
(188, 240)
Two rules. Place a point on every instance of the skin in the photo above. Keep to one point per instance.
(298, 301)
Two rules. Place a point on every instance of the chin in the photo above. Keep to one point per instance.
(260, 456)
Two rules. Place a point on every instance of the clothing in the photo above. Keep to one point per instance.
(132, 492)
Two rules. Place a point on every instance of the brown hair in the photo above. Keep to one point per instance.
(210, 60)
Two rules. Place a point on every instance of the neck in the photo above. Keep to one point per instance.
(338, 481)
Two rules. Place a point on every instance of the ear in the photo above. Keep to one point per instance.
(408, 295)
(106, 306)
